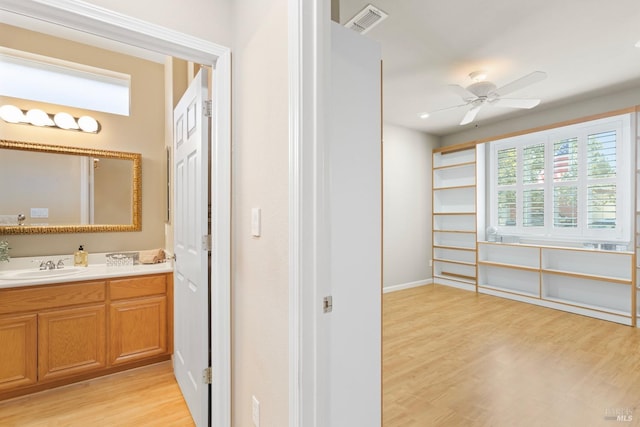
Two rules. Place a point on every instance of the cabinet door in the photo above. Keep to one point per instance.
(18, 351)
(138, 329)
(71, 341)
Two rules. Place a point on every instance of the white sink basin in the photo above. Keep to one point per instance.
(39, 274)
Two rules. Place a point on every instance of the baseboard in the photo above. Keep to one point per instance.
(409, 285)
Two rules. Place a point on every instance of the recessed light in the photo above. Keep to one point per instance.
(423, 115)
(638, 43)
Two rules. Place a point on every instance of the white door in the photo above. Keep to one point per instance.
(353, 327)
(191, 272)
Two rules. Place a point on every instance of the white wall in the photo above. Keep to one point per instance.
(407, 205)
(542, 116)
(256, 31)
(260, 179)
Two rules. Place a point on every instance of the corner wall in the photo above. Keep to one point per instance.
(407, 206)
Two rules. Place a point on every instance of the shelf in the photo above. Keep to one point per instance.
(454, 158)
(454, 187)
(454, 270)
(460, 255)
(620, 280)
(458, 277)
(455, 175)
(454, 217)
(606, 295)
(507, 265)
(510, 291)
(508, 279)
(453, 261)
(455, 231)
(589, 264)
(454, 240)
(458, 248)
(527, 257)
(588, 306)
(457, 165)
(455, 213)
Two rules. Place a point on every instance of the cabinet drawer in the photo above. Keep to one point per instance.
(133, 287)
(38, 298)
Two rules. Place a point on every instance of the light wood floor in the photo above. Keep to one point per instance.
(147, 396)
(450, 358)
(454, 358)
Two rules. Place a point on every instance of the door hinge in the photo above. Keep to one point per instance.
(207, 375)
(207, 108)
(206, 242)
(327, 304)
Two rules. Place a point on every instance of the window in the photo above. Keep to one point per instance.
(563, 184)
(44, 79)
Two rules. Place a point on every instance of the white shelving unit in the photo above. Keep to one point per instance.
(585, 281)
(454, 217)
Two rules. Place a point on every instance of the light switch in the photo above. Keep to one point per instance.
(256, 222)
(39, 212)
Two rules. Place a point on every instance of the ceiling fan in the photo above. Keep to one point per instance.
(483, 92)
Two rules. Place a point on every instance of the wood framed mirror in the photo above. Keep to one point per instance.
(56, 189)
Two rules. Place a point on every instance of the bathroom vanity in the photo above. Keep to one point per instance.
(62, 329)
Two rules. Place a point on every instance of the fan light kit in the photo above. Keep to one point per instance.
(482, 92)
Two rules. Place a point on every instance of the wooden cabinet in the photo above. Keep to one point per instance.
(138, 319)
(52, 335)
(71, 341)
(18, 351)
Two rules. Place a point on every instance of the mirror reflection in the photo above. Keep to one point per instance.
(46, 188)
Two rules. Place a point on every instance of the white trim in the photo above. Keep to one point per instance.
(115, 26)
(401, 286)
(309, 41)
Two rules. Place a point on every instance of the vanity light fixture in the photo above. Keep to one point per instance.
(36, 117)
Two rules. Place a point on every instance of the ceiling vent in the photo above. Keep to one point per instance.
(366, 19)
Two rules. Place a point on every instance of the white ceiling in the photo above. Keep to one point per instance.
(587, 47)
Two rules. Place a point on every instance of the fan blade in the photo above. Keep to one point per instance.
(428, 114)
(471, 115)
(516, 102)
(462, 92)
(522, 82)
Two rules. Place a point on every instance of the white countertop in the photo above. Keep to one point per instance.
(77, 274)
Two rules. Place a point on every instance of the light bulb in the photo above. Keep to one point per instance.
(39, 118)
(65, 121)
(88, 124)
(12, 114)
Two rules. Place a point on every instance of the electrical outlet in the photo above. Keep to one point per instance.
(255, 411)
(430, 263)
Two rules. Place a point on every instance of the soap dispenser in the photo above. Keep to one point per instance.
(81, 257)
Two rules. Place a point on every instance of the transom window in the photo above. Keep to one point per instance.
(40, 78)
(569, 183)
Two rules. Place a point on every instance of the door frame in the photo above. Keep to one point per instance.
(116, 26)
(309, 34)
